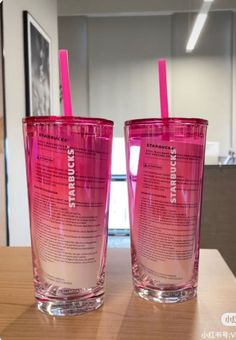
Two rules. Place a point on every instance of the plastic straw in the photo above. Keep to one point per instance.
(65, 82)
(163, 88)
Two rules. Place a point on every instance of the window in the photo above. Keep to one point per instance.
(119, 214)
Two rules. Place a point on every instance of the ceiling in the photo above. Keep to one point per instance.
(135, 7)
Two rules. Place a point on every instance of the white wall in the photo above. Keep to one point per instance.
(202, 81)
(73, 37)
(45, 12)
(123, 78)
(234, 83)
(2, 158)
(122, 66)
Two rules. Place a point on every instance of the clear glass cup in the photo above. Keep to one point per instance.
(68, 163)
(165, 167)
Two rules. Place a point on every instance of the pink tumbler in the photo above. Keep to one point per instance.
(68, 161)
(165, 167)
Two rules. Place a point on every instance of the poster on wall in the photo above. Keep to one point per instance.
(37, 46)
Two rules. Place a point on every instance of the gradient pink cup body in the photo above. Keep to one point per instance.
(68, 163)
(165, 167)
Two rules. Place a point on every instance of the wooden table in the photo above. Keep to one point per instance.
(124, 315)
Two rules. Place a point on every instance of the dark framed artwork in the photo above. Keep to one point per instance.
(37, 46)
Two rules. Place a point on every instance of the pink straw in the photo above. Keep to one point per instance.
(65, 82)
(163, 88)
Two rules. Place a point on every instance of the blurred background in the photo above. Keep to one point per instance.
(113, 46)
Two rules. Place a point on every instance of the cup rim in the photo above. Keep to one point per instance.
(165, 121)
(66, 119)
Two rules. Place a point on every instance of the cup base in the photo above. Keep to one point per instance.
(166, 296)
(70, 308)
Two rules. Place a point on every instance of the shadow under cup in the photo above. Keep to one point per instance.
(68, 162)
(165, 168)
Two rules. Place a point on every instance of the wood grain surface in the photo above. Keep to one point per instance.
(124, 315)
